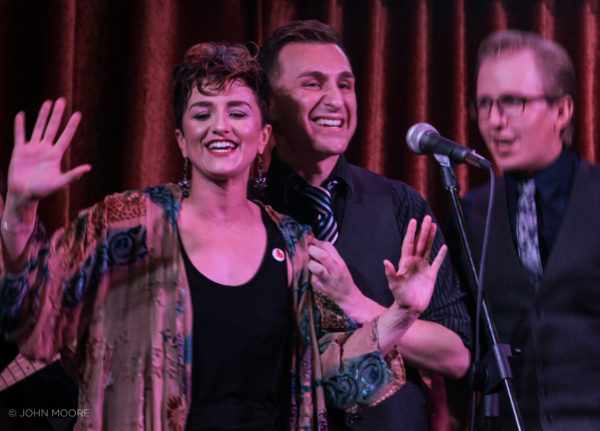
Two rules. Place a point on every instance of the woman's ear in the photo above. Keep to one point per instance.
(181, 142)
(264, 138)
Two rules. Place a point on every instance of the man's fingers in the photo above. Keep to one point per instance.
(323, 245)
(40, 122)
(314, 241)
(325, 253)
(317, 269)
(316, 283)
(315, 252)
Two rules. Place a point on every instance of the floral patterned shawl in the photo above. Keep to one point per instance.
(109, 292)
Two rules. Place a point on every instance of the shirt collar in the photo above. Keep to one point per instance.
(558, 173)
(557, 176)
(281, 177)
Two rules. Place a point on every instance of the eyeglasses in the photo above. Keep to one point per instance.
(510, 105)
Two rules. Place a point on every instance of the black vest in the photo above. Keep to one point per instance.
(557, 327)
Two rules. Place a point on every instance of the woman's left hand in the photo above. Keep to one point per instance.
(412, 284)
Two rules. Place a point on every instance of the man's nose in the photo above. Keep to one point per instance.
(497, 115)
(333, 96)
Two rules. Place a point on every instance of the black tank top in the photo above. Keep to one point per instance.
(239, 344)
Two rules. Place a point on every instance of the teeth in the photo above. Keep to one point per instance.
(503, 142)
(221, 146)
(327, 122)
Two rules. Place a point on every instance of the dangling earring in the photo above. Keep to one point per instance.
(185, 185)
(260, 180)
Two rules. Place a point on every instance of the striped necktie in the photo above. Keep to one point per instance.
(324, 226)
(527, 230)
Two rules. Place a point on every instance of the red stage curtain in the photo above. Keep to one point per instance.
(414, 61)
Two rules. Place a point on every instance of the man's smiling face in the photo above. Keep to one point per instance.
(314, 101)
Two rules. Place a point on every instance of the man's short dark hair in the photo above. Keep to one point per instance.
(302, 31)
(553, 61)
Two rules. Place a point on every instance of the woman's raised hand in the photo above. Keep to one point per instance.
(34, 171)
(412, 284)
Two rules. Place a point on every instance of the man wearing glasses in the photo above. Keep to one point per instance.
(542, 279)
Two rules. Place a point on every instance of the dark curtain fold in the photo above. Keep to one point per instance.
(414, 61)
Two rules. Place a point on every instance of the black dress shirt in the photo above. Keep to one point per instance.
(552, 188)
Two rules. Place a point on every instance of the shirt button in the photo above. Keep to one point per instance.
(538, 312)
(354, 418)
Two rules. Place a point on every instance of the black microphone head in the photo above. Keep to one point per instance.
(415, 135)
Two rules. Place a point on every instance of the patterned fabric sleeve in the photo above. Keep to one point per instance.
(356, 375)
(41, 308)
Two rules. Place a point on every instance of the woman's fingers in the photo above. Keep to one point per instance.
(408, 243)
(390, 271)
(67, 135)
(423, 236)
(439, 259)
(19, 128)
(40, 122)
(55, 119)
(73, 175)
(46, 129)
(430, 240)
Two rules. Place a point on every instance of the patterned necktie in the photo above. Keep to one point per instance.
(527, 231)
(324, 227)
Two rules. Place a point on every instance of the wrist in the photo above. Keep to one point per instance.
(18, 216)
(392, 325)
(19, 208)
(16, 228)
(398, 318)
(360, 308)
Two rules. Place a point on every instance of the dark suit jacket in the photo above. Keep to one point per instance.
(557, 326)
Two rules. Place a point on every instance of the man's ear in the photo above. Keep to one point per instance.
(564, 112)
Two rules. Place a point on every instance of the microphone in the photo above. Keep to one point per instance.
(422, 138)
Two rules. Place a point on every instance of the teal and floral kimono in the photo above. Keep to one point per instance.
(110, 294)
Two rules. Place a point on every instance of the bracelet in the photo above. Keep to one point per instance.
(19, 229)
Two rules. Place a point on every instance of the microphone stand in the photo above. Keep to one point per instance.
(493, 373)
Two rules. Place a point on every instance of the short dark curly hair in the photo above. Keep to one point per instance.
(214, 66)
